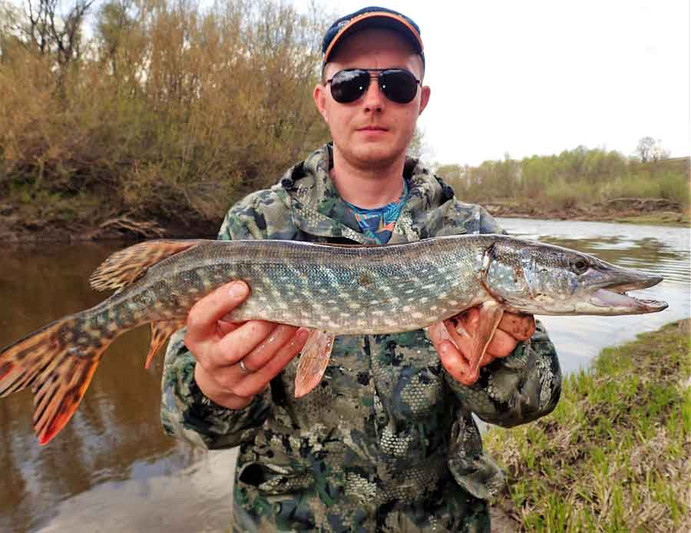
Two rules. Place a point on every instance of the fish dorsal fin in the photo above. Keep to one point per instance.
(128, 265)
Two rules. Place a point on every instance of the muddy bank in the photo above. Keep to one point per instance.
(657, 211)
(14, 230)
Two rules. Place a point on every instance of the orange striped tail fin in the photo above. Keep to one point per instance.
(57, 362)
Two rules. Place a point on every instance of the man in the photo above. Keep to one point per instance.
(387, 440)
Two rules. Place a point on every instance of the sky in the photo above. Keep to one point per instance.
(542, 76)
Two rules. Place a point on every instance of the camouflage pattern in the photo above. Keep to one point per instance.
(387, 441)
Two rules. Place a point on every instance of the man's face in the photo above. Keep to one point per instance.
(372, 131)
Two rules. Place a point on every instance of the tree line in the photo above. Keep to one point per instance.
(574, 178)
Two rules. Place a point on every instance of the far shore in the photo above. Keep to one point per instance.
(628, 211)
(125, 228)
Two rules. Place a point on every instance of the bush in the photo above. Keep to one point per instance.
(167, 111)
(563, 195)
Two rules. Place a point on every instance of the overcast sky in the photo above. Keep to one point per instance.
(541, 76)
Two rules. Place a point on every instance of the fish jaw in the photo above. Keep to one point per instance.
(603, 291)
(613, 298)
(615, 303)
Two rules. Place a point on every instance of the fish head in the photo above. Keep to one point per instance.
(544, 279)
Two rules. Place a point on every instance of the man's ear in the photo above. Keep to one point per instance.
(424, 98)
(319, 95)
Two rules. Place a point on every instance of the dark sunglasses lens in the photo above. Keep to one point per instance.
(349, 85)
(399, 86)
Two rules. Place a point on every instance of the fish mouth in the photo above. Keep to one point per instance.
(614, 296)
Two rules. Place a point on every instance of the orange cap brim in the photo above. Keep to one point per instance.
(365, 16)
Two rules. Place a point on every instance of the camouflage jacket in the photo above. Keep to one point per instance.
(387, 441)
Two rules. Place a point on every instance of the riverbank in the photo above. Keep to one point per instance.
(653, 211)
(17, 227)
(613, 456)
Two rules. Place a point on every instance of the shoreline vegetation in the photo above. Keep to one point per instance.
(613, 456)
(161, 116)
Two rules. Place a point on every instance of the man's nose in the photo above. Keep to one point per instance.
(374, 99)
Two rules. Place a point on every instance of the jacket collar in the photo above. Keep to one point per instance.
(317, 207)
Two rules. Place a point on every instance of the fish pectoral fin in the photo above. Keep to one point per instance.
(488, 320)
(160, 333)
(314, 359)
(471, 341)
(128, 265)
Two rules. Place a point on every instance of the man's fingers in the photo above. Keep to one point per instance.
(486, 359)
(223, 326)
(205, 314)
(438, 333)
(254, 382)
(239, 343)
(502, 344)
(456, 364)
(465, 323)
(233, 386)
(520, 327)
(266, 349)
(448, 344)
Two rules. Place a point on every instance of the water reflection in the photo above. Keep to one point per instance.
(112, 464)
(115, 434)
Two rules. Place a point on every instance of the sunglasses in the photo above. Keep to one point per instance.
(397, 84)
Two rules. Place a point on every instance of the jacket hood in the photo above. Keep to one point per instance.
(317, 207)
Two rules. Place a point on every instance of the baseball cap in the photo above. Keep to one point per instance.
(371, 17)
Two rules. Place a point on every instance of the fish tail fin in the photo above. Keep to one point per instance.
(57, 362)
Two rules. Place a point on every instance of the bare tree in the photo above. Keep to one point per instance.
(649, 149)
(52, 32)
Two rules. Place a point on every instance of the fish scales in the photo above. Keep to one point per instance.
(341, 289)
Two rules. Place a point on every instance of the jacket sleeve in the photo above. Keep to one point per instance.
(516, 389)
(185, 411)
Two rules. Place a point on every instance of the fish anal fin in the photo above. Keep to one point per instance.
(314, 359)
(126, 266)
(160, 333)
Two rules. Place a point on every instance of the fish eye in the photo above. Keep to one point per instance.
(579, 265)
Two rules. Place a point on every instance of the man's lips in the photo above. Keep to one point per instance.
(373, 128)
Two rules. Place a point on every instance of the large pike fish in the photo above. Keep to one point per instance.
(330, 289)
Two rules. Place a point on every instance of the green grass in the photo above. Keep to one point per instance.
(613, 456)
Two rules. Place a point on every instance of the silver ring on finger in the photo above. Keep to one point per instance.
(244, 369)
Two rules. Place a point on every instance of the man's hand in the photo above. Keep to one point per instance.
(449, 338)
(263, 348)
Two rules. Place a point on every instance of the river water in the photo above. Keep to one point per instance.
(112, 469)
